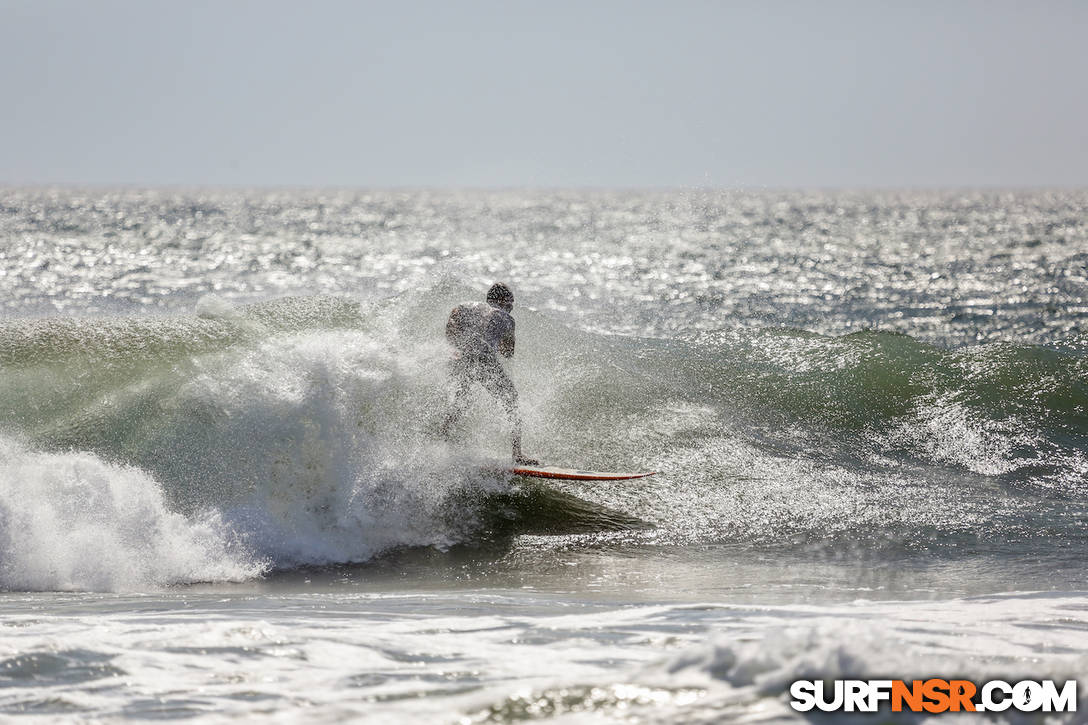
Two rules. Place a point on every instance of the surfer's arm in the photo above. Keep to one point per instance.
(506, 342)
(454, 326)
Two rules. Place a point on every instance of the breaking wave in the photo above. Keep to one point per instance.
(301, 431)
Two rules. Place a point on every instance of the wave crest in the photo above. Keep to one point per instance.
(71, 521)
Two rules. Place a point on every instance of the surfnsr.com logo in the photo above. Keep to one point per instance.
(933, 695)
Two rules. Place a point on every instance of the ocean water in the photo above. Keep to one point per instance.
(223, 496)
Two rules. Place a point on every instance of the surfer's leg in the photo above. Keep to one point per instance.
(456, 410)
(459, 382)
(499, 384)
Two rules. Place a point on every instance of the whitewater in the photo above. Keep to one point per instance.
(223, 494)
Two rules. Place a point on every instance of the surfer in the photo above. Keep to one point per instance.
(479, 333)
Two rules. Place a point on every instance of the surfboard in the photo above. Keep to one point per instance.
(572, 474)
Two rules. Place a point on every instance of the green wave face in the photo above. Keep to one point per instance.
(313, 419)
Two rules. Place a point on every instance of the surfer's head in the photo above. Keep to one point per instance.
(500, 296)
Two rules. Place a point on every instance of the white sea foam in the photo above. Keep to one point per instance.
(945, 430)
(747, 678)
(742, 669)
(319, 449)
(73, 521)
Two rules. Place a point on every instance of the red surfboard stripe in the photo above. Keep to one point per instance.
(573, 475)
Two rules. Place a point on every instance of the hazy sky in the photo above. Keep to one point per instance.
(545, 93)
